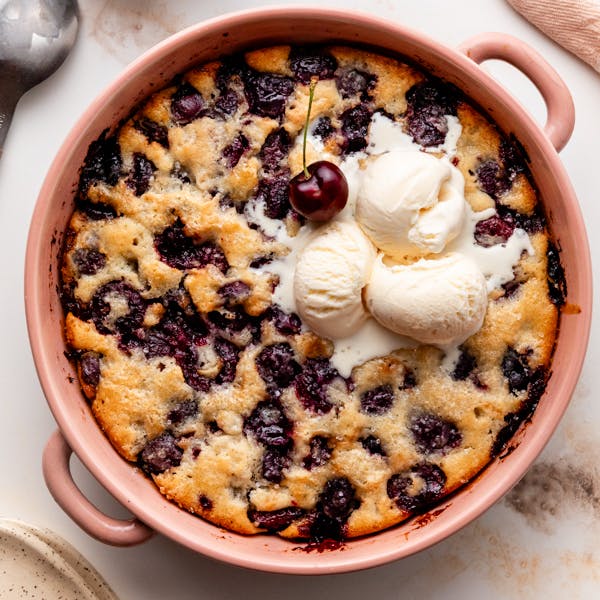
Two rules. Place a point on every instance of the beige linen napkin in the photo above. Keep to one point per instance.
(574, 24)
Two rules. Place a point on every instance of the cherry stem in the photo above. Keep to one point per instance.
(311, 95)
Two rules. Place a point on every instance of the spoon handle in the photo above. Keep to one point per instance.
(9, 96)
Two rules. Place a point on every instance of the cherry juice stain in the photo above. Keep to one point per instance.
(326, 545)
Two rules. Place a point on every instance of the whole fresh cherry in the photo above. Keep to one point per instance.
(319, 191)
(321, 195)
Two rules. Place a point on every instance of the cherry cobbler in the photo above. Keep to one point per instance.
(189, 334)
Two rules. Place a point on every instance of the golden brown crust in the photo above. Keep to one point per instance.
(195, 191)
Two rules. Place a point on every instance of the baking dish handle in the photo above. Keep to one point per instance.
(559, 104)
(57, 473)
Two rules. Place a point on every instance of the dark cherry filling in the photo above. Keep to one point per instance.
(338, 499)
(466, 368)
(515, 368)
(319, 453)
(160, 454)
(434, 435)
(179, 299)
(494, 230)
(275, 520)
(273, 192)
(557, 283)
(88, 261)
(513, 157)
(336, 503)
(378, 400)
(195, 380)
(285, 323)
(175, 335)
(230, 70)
(153, 131)
(102, 163)
(410, 380)
(521, 377)
(268, 424)
(70, 304)
(234, 292)
(229, 323)
(323, 128)
(182, 411)
(213, 427)
(101, 310)
(492, 179)
(227, 103)
(89, 368)
(352, 82)
(429, 480)
(261, 261)
(205, 502)
(533, 223)
(96, 211)
(465, 365)
(428, 104)
(178, 335)
(267, 93)
(496, 178)
(181, 252)
(141, 174)
(229, 355)
(434, 92)
(511, 288)
(372, 445)
(307, 62)
(499, 227)
(186, 104)
(275, 460)
(428, 127)
(234, 151)
(277, 366)
(311, 385)
(229, 82)
(355, 128)
(274, 151)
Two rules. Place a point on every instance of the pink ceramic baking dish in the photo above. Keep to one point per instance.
(78, 431)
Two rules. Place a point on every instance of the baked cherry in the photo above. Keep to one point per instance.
(319, 191)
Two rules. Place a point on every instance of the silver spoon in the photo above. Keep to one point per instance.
(35, 38)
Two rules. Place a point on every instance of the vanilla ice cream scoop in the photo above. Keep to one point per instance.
(411, 203)
(331, 272)
(440, 301)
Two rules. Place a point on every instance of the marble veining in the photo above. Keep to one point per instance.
(549, 490)
(126, 28)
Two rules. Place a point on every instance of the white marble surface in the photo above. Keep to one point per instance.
(540, 541)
